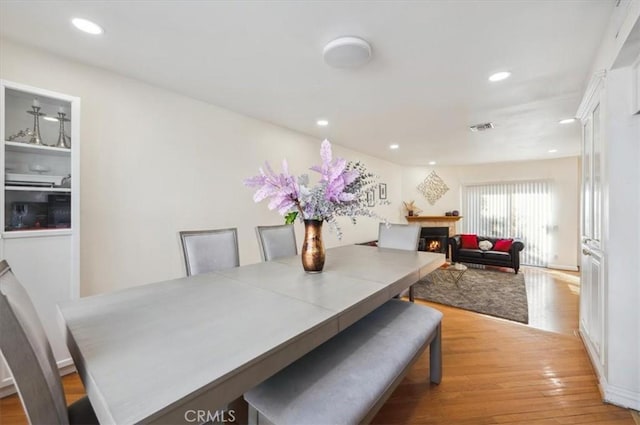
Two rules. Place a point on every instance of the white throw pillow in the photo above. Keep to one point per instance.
(485, 245)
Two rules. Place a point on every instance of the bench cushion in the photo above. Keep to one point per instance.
(341, 380)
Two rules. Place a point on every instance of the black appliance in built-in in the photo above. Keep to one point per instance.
(26, 215)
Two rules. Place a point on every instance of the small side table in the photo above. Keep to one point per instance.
(451, 272)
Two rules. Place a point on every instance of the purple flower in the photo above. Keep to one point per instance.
(338, 194)
(281, 189)
(334, 175)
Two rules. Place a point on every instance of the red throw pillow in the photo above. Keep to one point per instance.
(469, 241)
(503, 245)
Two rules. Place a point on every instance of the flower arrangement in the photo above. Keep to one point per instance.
(411, 208)
(341, 191)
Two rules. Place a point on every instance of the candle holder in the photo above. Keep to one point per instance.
(64, 141)
(35, 137)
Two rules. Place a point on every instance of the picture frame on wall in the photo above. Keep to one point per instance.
(382, 191)
(371, 198)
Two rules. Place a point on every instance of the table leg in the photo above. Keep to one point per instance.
(241, 410)
(457, 278)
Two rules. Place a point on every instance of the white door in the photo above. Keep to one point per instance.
(592, 306)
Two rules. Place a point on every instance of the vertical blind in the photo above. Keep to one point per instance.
(512, 210)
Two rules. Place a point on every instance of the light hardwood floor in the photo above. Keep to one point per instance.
(495, 371)
(501, 372)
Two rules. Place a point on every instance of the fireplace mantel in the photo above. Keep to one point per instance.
(438, 218)
(436, 221)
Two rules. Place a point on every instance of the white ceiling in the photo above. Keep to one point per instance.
(426, 84)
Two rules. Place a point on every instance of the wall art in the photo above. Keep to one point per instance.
(433, 188)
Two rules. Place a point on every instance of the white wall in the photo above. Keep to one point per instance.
(622, 244)
(562, 172)
(620, 381)
(154, 162)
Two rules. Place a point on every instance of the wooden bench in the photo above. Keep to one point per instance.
(348, 379)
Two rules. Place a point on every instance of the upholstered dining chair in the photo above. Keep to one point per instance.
(28, 354)
(399, 236)
(210, 250)
(276, 241)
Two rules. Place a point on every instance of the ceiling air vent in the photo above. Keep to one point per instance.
(481, 127)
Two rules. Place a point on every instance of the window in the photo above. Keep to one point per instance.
(512, 210)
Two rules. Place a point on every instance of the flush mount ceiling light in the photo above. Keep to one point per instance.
(566, 121)
(552, 150)
(322, 123)
(499, 76)
(394, 146)
(432, 163)
(87, 26)
(347, 52)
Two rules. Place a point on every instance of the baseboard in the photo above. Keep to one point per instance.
(7, 388)
(594, 360)
(621, 397)
(562, 267)
(67, 368)
(610, 393)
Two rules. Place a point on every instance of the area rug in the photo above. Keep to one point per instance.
(496, 293)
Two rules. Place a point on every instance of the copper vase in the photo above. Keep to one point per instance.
(312, 248)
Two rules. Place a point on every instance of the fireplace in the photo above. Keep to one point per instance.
(434, 239)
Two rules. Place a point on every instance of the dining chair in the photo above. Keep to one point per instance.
(400, 236)
(210, 250)
(276, 241)
(28, 354)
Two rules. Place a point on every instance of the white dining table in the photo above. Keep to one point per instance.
(152, 353)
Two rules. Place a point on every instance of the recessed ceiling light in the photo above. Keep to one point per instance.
(322, 123)
(567, 121)
(499, 76)
(552, 150)
(87, 26)
(394, 146)
(432, 163)
(50, 119)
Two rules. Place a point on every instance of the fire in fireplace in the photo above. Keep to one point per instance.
(434, 246)
(434, 239)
